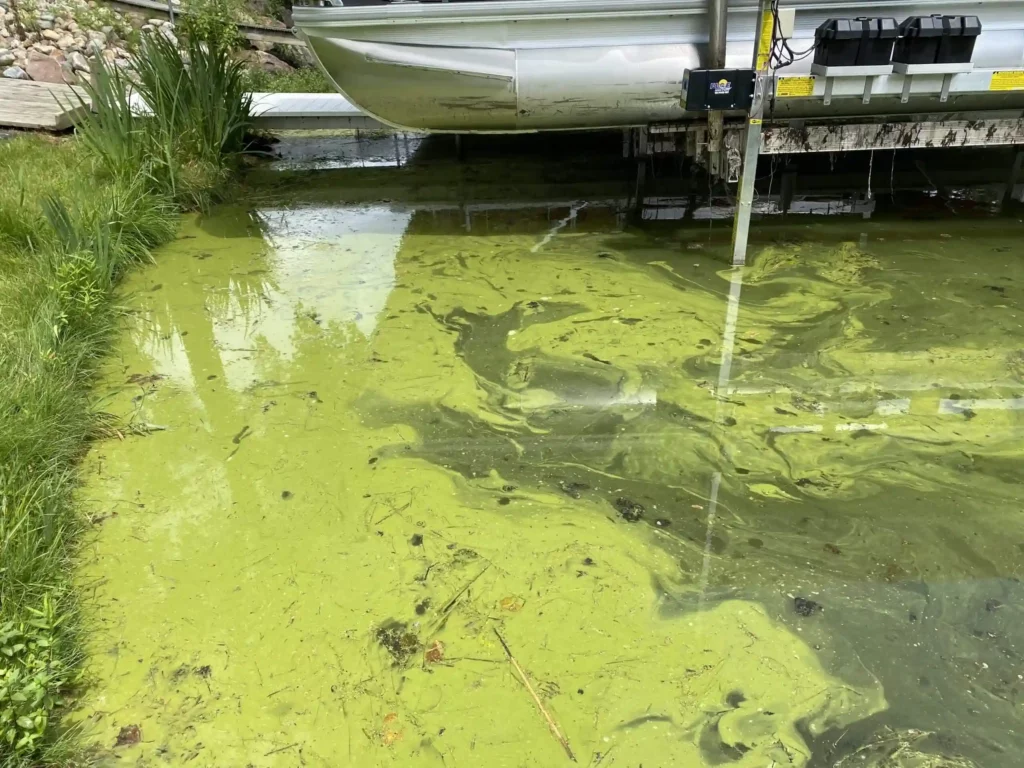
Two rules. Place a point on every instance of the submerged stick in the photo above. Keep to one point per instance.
(536, 699)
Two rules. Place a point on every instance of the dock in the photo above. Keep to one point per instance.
(310, 111)
(40, 106)
(47, 107)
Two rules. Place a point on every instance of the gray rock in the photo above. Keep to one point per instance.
(43, 48)
(44, 69)
(78, 62)
(94, 48)
(268, 62)
(51, 34)
(66, 42)
(147, 28)
(168, 32)
(16, 73)
(122, 64)
(108, 31)
(96, 35)
(155, 22)
(6, 58)
(44, 25)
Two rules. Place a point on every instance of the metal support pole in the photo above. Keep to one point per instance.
(752, 145)
(717, 26)
(1011, 183)
(788, 188)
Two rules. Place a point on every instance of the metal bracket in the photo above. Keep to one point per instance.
(828, 91)
(905, 95)
(947, 79)
(869, 83)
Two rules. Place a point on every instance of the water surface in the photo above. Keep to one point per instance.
(758, 517)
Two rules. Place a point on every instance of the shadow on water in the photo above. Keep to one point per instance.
(416, 419)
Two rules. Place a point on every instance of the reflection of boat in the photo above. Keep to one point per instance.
(526, 65)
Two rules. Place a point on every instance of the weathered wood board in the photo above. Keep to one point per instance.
(38, 106)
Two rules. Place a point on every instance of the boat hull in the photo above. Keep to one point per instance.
(535, 65)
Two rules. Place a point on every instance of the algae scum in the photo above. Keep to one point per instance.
(385, 462)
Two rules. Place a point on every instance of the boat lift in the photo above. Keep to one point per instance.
(847, 107)
(699, 77)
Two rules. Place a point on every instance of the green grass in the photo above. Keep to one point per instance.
(305, 80)
(75, 215)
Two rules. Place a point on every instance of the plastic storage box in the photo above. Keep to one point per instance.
(859, 42)
(937, 40)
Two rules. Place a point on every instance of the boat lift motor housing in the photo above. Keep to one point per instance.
(859, 42)
(718, 89)
(937, 40)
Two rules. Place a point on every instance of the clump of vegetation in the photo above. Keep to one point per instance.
(199, 124)
(305, 80)
(32, 676)
(211, 22)
(74, 216)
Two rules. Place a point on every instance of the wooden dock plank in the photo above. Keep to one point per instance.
(39, 106)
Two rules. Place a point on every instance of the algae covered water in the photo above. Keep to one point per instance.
(521, 485)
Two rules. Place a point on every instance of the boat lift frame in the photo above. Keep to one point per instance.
(790, 135)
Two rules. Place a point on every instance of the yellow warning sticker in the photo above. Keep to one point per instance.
(754, 121)
(794, 86)
(764, 47)
(1007, 80)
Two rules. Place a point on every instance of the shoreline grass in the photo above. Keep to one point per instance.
(75, 215)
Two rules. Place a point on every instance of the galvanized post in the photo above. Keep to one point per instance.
(1011, 182)
(752, 145)
(717, 28)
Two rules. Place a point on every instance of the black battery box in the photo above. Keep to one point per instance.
(718, 89)
(937, 40)
(859, 42)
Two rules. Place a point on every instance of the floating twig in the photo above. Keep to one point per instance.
(552, 725)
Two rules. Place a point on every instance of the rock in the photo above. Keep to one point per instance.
(78, 62)
(73, 26)
(95, 35)
(268, 62)
(6, 58)
(262, 46)
(155, 22)
(69, 74)
(108, 32)
(108, 56)
(42, 48)
(44, 25)
(44, 69)
(122, 64)
(94, 48)
(66, 42)
(51, 35)
(16, 73)
(168, 32)
(147, 28)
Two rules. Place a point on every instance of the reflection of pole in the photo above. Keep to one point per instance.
(752, 145)
(732, 312)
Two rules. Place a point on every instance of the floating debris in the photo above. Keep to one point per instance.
(128, 735)
(806, 607)
(629, 510)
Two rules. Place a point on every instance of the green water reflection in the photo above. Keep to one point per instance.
(764, 517)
